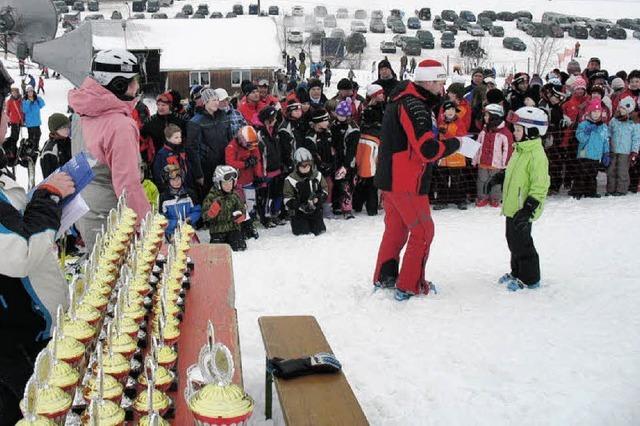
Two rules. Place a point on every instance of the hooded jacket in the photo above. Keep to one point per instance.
(31, 110)
(527, 175)
(409, 143)
(495, 146)
(593, 140)
(235, 156)
(103, 127)
(625, 136)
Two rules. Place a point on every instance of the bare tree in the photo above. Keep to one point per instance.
(544, 50)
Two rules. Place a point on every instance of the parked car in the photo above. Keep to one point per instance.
(451, 27)
(538, 30)
(387, 47)
(426, 39)
(358, 27)
(360, 14)
(462, 24)
(618, 33)
(424, 14)
(628, 23)
(447, 40)
(338, 33)
(95, 17)
(579, 31)
(78, 6)
(62, 9)
(139, 5)
(523, 23)
(320, 11)
(471, 49)
(377, 15)
(230, 15)
(377, 26)
(317, 35)
(496, 31)
(439, 24)
(187, 9)
(254, 9)
(198, 16)
(180, 15)
(398, 27)
(203, 9)
(216, 15)
(413, 23)
(153, 6)
(356, 43)
(297, 11)
(294, 36)
(397, 13)
(449, 15)
(475, 30)
(599, 32)
(468, 15)
(116, 15)
(93, 6)
(274, 10)
(159, 16)
(166, 3)
(489, 14)
(505, 16)
(330, 21)
(412, 47)
(636, 34)
(555, 31)
(138, 16)
(485, 23)
(524, 14)
(237, 9)
(513, 43)
(342, 13)
(399, 39)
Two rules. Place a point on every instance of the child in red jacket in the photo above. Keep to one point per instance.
(496, 142)
(243, 154)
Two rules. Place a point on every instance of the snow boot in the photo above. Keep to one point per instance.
(506, 278)
(439, 206)
(462, 206)
(401, 296)
(515, 285)
(385, 282)
(348, 215)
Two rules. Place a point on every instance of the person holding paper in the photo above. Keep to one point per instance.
(32, 284)
(103, 127)
(408, 149)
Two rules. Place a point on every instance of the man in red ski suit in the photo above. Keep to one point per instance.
(409, 148)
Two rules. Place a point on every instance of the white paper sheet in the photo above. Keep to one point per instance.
(468, 147)
(74, 210)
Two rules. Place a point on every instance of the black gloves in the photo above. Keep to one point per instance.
(304, 191)
(497, 179)
(429, 149)
(320, 363)
(522, 216)
(451, 145)
(250, 162)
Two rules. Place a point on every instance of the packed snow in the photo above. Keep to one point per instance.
(567, 353)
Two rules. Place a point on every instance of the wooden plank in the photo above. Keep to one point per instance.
(311, 400)
(211, 297)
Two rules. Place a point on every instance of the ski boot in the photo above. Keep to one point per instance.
(401, 295)
(385, 282)
(515, 285)
(428, 287)
(267, 223)
(506, 278)
(249, 230)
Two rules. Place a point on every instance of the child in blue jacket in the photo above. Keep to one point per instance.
(593, 148)
(176, 202)
(32, 104)
(625, 143)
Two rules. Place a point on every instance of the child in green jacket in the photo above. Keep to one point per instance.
(223, 209)
(526, 182)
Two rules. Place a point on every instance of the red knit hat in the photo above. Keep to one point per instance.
(594, 105)
(430, 70)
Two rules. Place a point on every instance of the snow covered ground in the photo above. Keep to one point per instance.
(567, 353)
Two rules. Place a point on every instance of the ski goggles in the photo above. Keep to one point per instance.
(230, 176)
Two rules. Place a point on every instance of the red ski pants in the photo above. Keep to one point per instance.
(407, 217)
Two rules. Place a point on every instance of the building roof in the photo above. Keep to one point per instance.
(192, 45)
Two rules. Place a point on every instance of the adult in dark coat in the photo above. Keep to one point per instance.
(386, 77)
(154, 127)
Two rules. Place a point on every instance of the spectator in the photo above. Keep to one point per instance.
(234, 118)
(56, 150)
(625, 144)
(250, 104)
(269, 192)
(345, 135)
(16, 121)
(105, 129)
(477, 78)
(32, 106)
(172, 153)
(291, 134)
(327, 77)
(386, 77)
(317, 99)
(154, 127)
(593, 138)
(177, 202)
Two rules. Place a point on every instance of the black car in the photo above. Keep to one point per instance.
(180, 15)
(398, 27)
(139, 5)
(538, 30)
(451, 27)
(187, 9)
(424, 14)
(93, 6)
(115, 15)
(391, 19)
(426, 39)
(230, 15)
(523, 23)
(413, 23)
(79, 6)
(462, 24)
(412, 46)
(599, 32)
(198, 15)
(485, 23)
(138, 16)
(153, 6)
(253, 9)
(636, 34)
(203, 9)
(513, 43)
(274, 10)
(95, 17)
(489, 14)
(628, 23)
(555, 31)
(618, 33)
(468, 15)
(159, 16)
(216, 15)
(237, 9)
(448, 40)
(449, 15)
(579, 31)
(439, 24)
(505, 16)
(355, 43)
(471, 48)
(496, 31)
(524, 14)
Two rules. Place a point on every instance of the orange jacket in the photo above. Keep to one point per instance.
(367, 155)
(451, 130)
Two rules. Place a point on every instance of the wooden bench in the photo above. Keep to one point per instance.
(310, 400)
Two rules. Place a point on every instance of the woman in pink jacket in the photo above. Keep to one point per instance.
(496, 146)
(102, 126)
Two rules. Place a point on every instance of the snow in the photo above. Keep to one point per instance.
(200, 45)
(567, 353)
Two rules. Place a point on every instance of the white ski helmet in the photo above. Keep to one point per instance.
(628, 104)
(495, 109)
(224, 173)
(109, 64)
(530, 118)
(301, 155)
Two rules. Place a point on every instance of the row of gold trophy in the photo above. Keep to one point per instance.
(113, 352)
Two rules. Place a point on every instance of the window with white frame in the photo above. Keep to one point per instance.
(238, 76)
(199, 77)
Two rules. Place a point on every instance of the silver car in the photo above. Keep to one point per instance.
(358, 27)
(475, 30)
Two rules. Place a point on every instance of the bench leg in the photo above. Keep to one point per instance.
(268, 394)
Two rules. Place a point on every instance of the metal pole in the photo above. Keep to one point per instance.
(529, 66)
